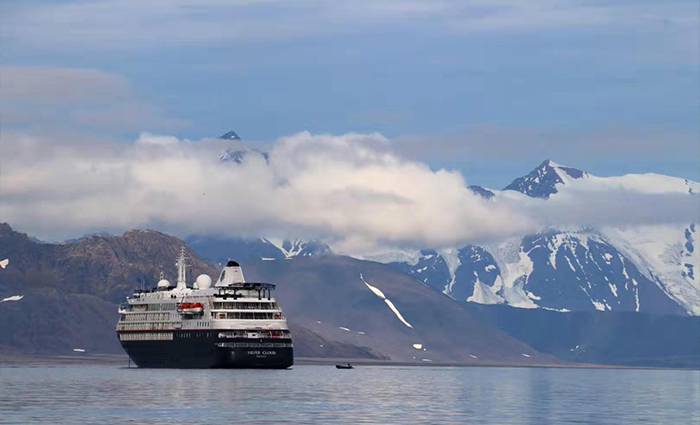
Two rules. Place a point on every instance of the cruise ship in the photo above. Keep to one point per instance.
(232, 324)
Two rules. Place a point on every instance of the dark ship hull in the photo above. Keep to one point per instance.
(205, 349)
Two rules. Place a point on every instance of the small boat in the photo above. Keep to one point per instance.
(342, 366)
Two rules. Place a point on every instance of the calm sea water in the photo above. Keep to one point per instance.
(109, 395)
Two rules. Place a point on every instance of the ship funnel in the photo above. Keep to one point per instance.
(231, 275)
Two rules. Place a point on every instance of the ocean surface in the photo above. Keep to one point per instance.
(108, 394)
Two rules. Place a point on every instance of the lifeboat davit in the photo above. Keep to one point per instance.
(190, 308)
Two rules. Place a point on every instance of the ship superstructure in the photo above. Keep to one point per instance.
(232, 324)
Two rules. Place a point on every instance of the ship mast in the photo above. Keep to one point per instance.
(181, 264)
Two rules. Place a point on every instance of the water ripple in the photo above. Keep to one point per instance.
(365, 395)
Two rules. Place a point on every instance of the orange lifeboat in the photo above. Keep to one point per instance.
(190, 308)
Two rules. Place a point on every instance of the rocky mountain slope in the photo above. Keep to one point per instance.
(108, 267)
(633, 268)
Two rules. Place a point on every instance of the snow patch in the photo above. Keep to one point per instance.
(598, 305)
(397, 313)
(374, 289)
(388, 302)
(12, 298)
(451, 257)
(532, 296)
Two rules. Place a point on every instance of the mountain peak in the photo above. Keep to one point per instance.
(482, 191)
(542, 181)
(231, 135)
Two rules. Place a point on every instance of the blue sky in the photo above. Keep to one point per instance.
(487, 88)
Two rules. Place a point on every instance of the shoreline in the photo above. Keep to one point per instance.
(21, 360)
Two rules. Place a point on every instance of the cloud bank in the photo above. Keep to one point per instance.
(351, 190)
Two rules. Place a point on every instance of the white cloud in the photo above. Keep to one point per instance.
(343, 187)
(350, 189)
(153, 139)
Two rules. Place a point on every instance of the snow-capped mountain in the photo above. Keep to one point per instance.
(238, 153)
(634, 268)
(221, 248)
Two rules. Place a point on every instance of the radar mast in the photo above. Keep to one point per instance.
(181, 264)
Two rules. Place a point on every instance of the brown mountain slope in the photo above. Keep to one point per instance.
(108, 267)
(328, 296)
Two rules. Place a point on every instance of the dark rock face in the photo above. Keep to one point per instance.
(483, 192)
(430, 269)
(541, 182)
(476, 265)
